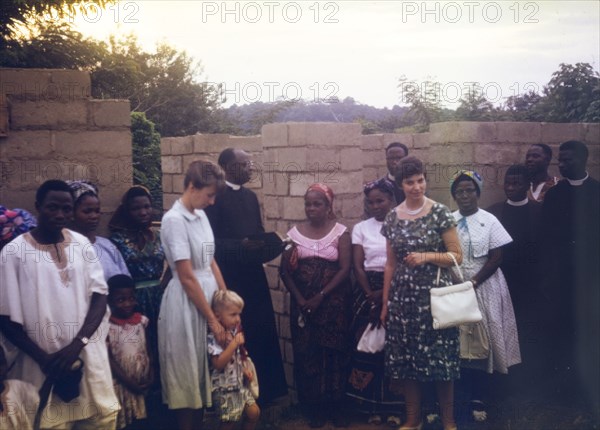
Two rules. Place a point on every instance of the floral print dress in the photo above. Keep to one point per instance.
(414, 350)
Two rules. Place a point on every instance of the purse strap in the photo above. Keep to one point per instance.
(437, 281)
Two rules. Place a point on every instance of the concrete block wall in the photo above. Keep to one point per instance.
(56, 131)
(290, 156)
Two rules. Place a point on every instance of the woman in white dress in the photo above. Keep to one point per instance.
(185, 312)
(482, 237)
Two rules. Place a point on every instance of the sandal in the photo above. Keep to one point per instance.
(375, 419)
(478, 411)
(393, 421)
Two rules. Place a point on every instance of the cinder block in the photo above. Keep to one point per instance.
(274, 135)
(48, 114)
(26, 144)
(457, 131)
(553, 132)
(210, 143)
(274, 183)
(420, 140)
(73, 143)
(497, 153)
(169, 199)
(324, 134)
(453, 153)
(347, 183)
(252, 144)
(165, 145)
(405, 138)
(45, 84)
(351, 159)
(293, 208)
(172, 164)
(370, 174)
(371, 142)
(178, 184)
(284, 327)
(167, 183)
(353, 207)
(523, 132)
(182, 145)
(592, 134)
(110, 113)
(288, 352)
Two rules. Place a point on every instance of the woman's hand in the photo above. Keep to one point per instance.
(312, 304)
(415, 259)
(375, 297)
(383, 315)
(219, 331)
(248, 375)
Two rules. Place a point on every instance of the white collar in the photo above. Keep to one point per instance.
(520, 203)
(578, 182)
(235, 187)
(391, 177)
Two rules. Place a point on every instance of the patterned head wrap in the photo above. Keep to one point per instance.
(382, 184)
(471, 174)
(323, 189)
(81, 188)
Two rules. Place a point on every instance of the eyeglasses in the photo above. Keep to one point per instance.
(466, 192)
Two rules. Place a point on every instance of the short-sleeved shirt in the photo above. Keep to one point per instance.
(368, 234)
(110, 258)
(50, 297)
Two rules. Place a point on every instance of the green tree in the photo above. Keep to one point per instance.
(474, 106)
(572, 94)
(146, 156)
(16, 14)
(425, 104)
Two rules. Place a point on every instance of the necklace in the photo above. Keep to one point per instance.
(413, 211)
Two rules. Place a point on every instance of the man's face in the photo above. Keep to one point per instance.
(56, 210)
(393, 157)
(536, 160)
(568, 163)
(240, 168)
(515, 187)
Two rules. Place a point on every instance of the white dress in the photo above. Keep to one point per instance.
(50, 297)
(484, 232)
(20, 401)
(182, 329)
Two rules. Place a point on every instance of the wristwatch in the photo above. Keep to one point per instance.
(84, 340)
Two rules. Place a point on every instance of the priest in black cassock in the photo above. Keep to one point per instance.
(571, 233)
(234, 217)
(521, 217)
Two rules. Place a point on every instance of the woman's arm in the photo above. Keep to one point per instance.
(192, 288)
(218, 275)
(345, 261)
(489, 268)
(442, 259)
(287, 279)
(358, 264)
(388, 273)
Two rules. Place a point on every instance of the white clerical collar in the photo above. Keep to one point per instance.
(235, 187)
(391, 177)
(578, 182)
(520, 203)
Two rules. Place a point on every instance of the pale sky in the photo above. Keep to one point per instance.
(268, 50)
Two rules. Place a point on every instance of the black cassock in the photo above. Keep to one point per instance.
(235, 216)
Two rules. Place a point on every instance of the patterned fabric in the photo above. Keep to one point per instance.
(229, 392)
(476, 177)
(366, 381)
(485, 233)
(80, 188)
(127, 345)
(13, 223)
(382, 184)
(323, 189)
(539, 192)
(414, 350)
(321, 340)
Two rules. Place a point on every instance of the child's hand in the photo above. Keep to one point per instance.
(248, 374)
(239, 339)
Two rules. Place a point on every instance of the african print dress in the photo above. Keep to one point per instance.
(414, 350)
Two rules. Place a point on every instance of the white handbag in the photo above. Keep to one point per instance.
(454, 305)
(372, 339)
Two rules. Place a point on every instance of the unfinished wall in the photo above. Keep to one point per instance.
(290, 156)
(56, 131)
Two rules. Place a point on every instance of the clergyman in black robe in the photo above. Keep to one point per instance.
(235, 216)
(571, 235)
